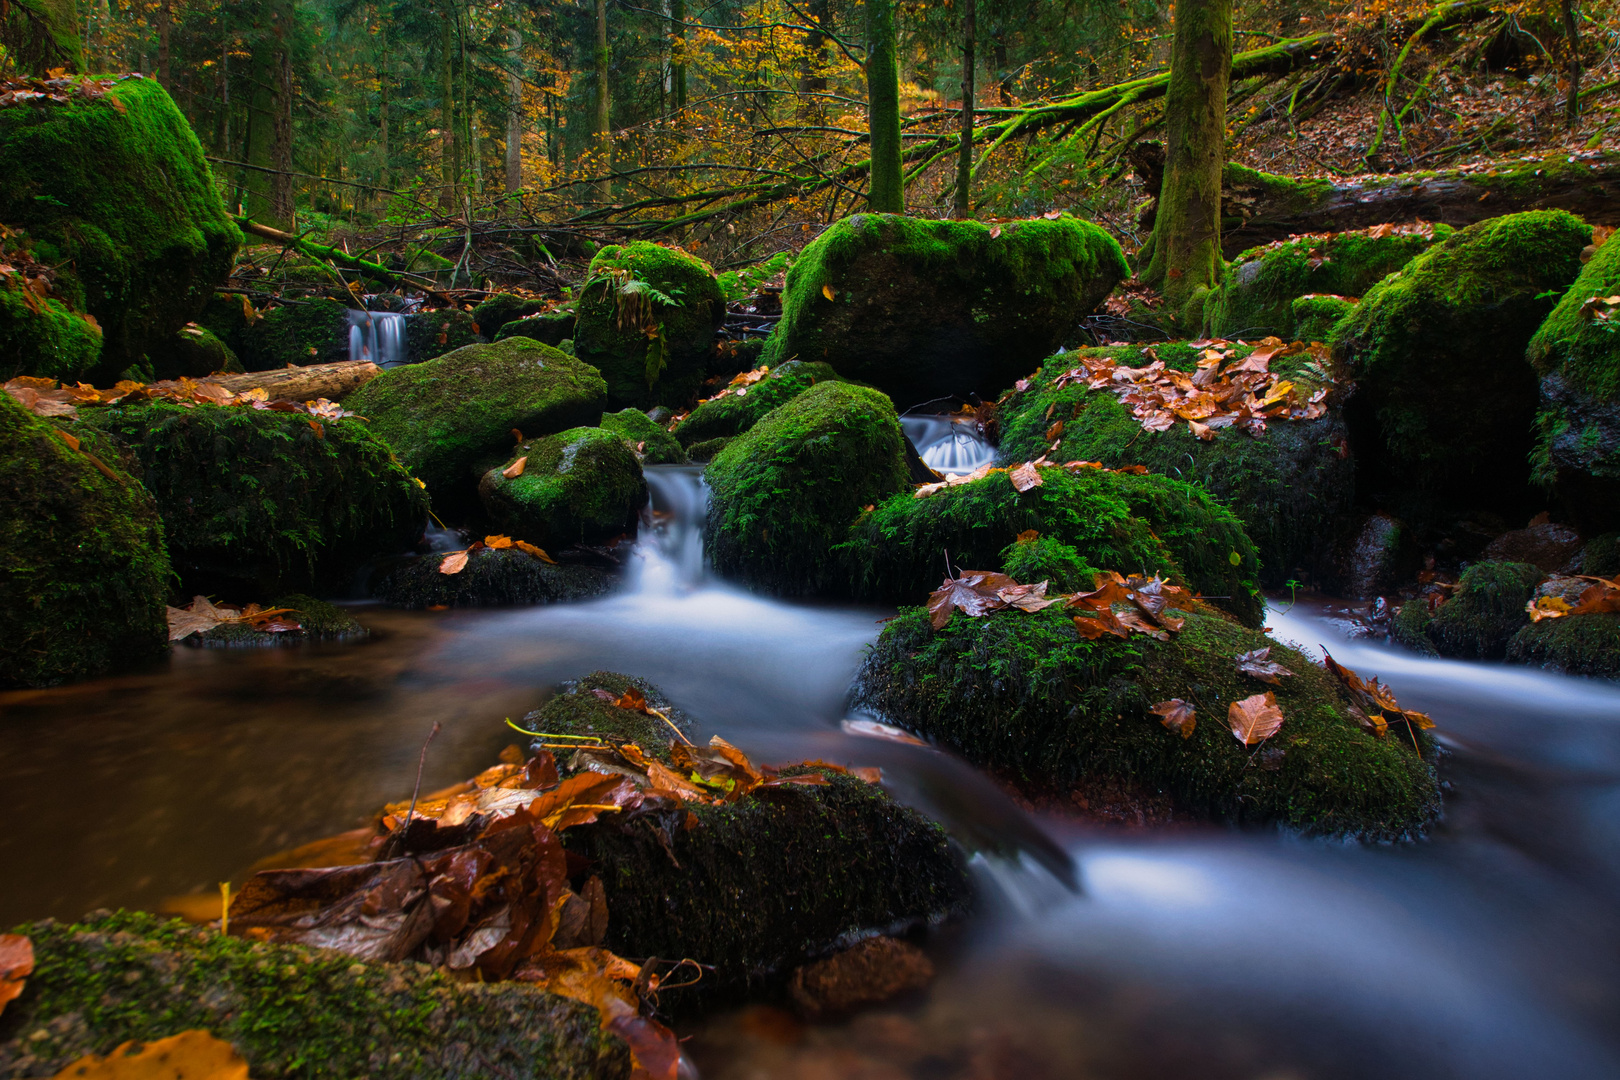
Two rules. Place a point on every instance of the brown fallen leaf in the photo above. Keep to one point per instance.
(1024, 477)
(872, 729)
(497, 542)
(515, 470)
(190, 1055)
(453, 563)
(16, 964)
(1255, 719)
(829, 292)
(1176, 715)
(525, 546)
(1255, 663)
(1028, 534)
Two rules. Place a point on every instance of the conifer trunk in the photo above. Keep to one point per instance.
(450, 165)
(964, 159)
(677, 52)
(887, 192)
(603, 120)
(514, 113)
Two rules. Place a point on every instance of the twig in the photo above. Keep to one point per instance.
(404, 829)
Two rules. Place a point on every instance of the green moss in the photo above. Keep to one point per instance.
(55, 343)
(1575, 644)
(707, 450)
(1485, 611)
(1112, 521)
(194, 352)
(1042, 558)
(431, 334)
(1410, 627)
(1444, 399)
(738, 411)
(262, 496)
(1255, 299)
(923, 309)
(116, 194)
(503, 308)
(446, 416)
(551, 329)
(783, 493)
(303, 332)
(579, 486)
(1601, 556)
(658, 447)
(290, 1011)
(83, 568)
(1024, 694)
(1290, 487)
(1316, 315)
(577, 711)
(620, 352)
(318, 621)
(1288, 194)
(491, 579)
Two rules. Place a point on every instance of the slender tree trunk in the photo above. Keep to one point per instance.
(222, 104)
(450, 163)
(1572, 104)
(281, 183)
(677, 52)
(514, 113)
(964, 160)
(384, 76)
(1186, 241)
(812, 75)
(165, 21)
(603, 122)
(268, 144)
(38, 35)
(887, 192)
(469, 117)
(1004, 78)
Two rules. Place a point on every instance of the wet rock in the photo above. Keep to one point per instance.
(647, 439)
(1380, 558)
(1485, 610)
(1546, 546)
(579, 486)
(706, 451)
(1600, 557)
(923, 309)
(318, 622)
(743, 407)
(504, 578)
(1410, 626)
(297, 332)
(1575, 645)
(551, 329)
(194, 352)
(875, 971)
(502, 308)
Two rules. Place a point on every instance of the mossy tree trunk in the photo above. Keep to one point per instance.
(268, 185)
(603, 125)
(677, 52)
(38, 35)
(1572, 103)
(887, 192)
(964, 160)
(1185, 248)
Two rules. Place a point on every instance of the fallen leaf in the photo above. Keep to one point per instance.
(1258, 665)
(1176, 715)
(872, 729)
(1027, 535)
(498, 542)
(1024, 477)
(453, 563)
(525, 546)
(515, 470)
(1255, 719)
(829, 292)
(995, 232)
(16, 964)
(190, 1055)
(1547, 607)
(72, 441)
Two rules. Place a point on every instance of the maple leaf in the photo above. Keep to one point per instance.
(1176, 715)
(16, 964)
(975, 592)
(194, 1055)
(1258, 664)
(1255, 719)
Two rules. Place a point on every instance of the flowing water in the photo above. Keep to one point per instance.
(947, 444)
(1492, 949)
(378, 336)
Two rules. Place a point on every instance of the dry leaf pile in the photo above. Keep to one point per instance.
(1023, 477)
(1602, 596)
(47, 397)
(60, 88)
(456, 561)
(1143, 603)
(202, 615)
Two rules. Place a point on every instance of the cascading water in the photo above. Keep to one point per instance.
(669, 556)
(378, 336)
(947, 445)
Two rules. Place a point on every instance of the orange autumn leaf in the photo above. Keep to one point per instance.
(498, 542)
(1255, 719)
(525, 546)
(515, 470)
(453, 563)
(1176, 715)
(190, 1055)
(1024, 477)
(16, 964)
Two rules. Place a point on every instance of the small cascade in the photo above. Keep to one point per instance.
(378, 336)
(669, 556)
(440, 538)
(947, 445)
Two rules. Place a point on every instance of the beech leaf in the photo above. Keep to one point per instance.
(1256, 664)
(1025, 477)
(524, 545)
(1176, 715)
(453, 563)
(515, 470)
(1255, 719)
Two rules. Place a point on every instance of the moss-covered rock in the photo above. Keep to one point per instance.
(1109, 521)
(1575, 645)
(296, 332)
(492, 578)
(45, 338)
(503, 308)
(1290, 487)
(1025, 694)
(1410, 627)
(742, 408)
(577, 711)
(759, 886)
(677, 293)
(115, 192)
(1317, 314)
(1485, 611)
(430, 334)
(446, 416)
(1255, 299)
(263, 496)
(288, 1010)
(83, 568)
(552, 329)
(1444, 404)
(1601, 556)
(651, 444)
(579, 486)
(318, 621)
(194, 352)
(706, 451)
(783, 493)
(923, 309)
(1576, 353)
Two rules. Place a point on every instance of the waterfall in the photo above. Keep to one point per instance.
(378, 336)
(669, 556)
(947, 445)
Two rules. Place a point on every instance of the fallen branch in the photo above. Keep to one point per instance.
(337, 258)
(330, 381)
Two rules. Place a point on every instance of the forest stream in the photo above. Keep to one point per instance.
(1487, 950)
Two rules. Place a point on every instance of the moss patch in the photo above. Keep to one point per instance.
(707, 450)
(551, 329)
(1024, 694)
(785, 492)
(1485, 611)
(83, 567)
(447, 415)
(290, 1011)
(579, 486)
(657, 446)
(503, 308)
(1575, 644)
(576, 710)
(318, 621)
(923, 309)
(737, 412)
(307, 332)
(1410, 627)
(430, 334)
(491, 579)
(55, 342)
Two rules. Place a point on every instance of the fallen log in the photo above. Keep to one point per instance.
(304, 383)
(341, 259)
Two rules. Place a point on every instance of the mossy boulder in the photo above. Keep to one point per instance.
(492, 578)
(677, 293)
(1317, 314)
(1410, 627)
(757, 887)
(263, 497)
(651, 444)
(1024, 694)
(1291, 487)
(552, 329)
(1444, 404)
(578, 486)
(1485, 610)
(742, 408)
(706, 451)
(45, 338)
(1106, 521)
(1576, 354)
(296, 332)
(1255, 298)
(84, 572)
(114, 191)
(194, 352)
(448, 415)
(1601, 556)
(785, 492)
(1575, 645)
(318, 621)
(288, 1010)
(923, 309)
(502, 308)
(430, 334)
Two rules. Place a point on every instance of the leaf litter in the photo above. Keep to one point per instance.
(203, 615)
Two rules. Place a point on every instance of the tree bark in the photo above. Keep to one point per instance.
(38, 35)
(514, 113)
(677, 52)
(268, 194)
(450, 158)
(964, 160)
(282, 207)
(812, 77)
(304, 383)
(165, 21)
(1572, 104)
(1186, 241)
(602, 124)
(887, 192)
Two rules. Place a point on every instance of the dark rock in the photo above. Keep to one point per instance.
(875, 971)
(1546, 546)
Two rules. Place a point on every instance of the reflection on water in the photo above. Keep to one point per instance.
(1489, 950)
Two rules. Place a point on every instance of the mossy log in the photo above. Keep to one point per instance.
(305, 383)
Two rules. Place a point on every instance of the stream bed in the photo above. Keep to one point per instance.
(1491, 949)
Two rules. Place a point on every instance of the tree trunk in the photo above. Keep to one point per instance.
(304, 383)
(964, 160)
(1572, 104)
(677, 52)
(887, 192)
(603, 124)
(282, 208)
(514, 113)
(165, 21)
(38, 35)
(1004, 78)
(264, 190)
(1186, 242)
(812, 75)
(450, 159)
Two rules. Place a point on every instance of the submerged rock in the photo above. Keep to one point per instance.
(925, 309)
(1443, 411)
(83, 567)
(130, 976)
(869, 973)
(743, 407)
(492, 578)
(648, 440)
(579, 486)
(318, 621)
(635, 289)
(785, 492)
(1024, 694)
